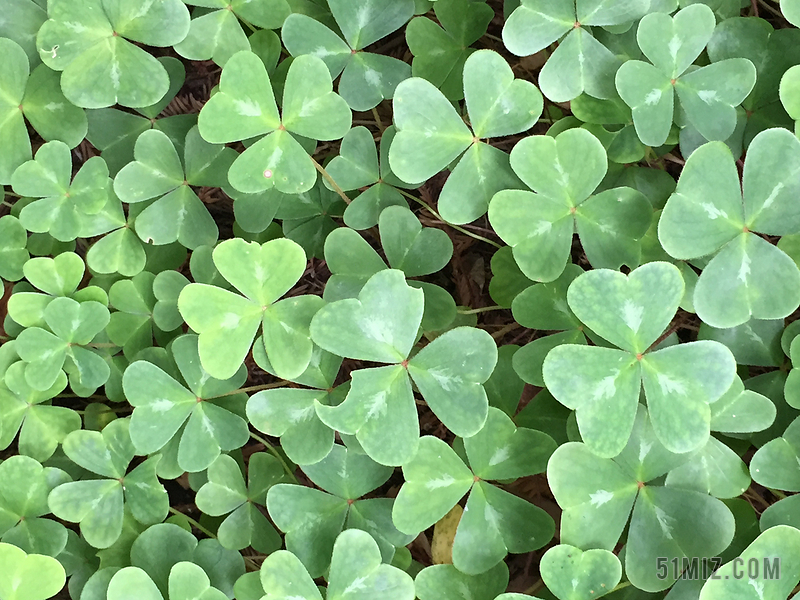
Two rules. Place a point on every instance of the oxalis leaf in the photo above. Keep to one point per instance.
(708, 215)
(381, 325)
(356, 569)
(245, 108)
(564, 172)
(162, 406)
(494, 522)
(708, 95)
(580, 63)
(598, 494)
(228, 323)
(89, 42)
(603, 384)
(431, 134)
(312, 519)
(98, 504)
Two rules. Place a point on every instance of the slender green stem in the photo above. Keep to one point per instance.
(510, 327)
(4, 203)
(193, 523)
(378, 121)
(248, 24)
(456, 227)
(774, 11)
(777, 493)
(475, 311)
(535, 587)
(103, 345)
(624, 584)
(253, 388)
(271, 449)
(331, 180)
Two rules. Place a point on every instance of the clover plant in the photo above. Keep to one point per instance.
(399, 299)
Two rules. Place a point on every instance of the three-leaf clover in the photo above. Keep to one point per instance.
(580, 63)
(356, 572)
(603, 384)
(357, 167)
(312, 519)
(41, 426)
(597, 494)
(162, 406)
(289, 412)
(494, 522)
(244, 108)
(97, 504)
(226, 493)
(228, 323)
(187, 581)
(431, 134)
(367, 78)
(710, 215)
(381, 326)
(71, 326)
(91, 43)
(708, 94)
(24, 486)
(217, 33)
(440, 49)
(157, 172)
(564, 172)
(36, 96)
(62, 205)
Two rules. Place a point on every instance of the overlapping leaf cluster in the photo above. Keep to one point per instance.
(234, 363)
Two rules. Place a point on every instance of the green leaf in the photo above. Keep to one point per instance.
(381, 325)
(285, 576)
(100, 66)
(572, 574)
(435, 480)
(449, 373)
(430, 134)
(498, 104)
(128, 579)
(29, 576)
(644, 303)
(370, 21)
(411, 248)
(14, 76)
(445, 582)
(779, 544)
(13, 254)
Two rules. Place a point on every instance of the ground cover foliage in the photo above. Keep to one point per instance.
(396, 299)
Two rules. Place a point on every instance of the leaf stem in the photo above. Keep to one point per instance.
(535, 587)
(510, 327)
(271, 449)
(624, 584)
(378, 121)
(4, 203)
(475, 311)
(253, 388)
(193, 523)
(330, 180)
(456, 227)
(248, 23)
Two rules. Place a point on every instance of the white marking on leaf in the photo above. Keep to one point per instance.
(606, 388)
(669, 385)
(492, 516)
(644, 449)
(542, 227)
(600, 497)
(445, 379)
(442, 482)
(301, 414)
(744, 269)
(500, 455)
(712, 211)
(115, 74)
(377, 406)
(322, 52)
(653, 97)
(665, 521)
(373, 77)
(230, 321)
(773, 194)
(358, 584)
(161, 405)
(707, 96)
(53, 106)
(247, 108)
(674, 46)
(632, 315)
(575, 584)
(758, 586)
